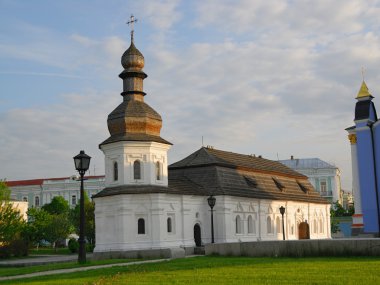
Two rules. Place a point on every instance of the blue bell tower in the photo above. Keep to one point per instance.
(366, 171)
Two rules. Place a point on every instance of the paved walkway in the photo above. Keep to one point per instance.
(40, 260)
(78, 269)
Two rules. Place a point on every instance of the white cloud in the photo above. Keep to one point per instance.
(264, 77)
(40, 142)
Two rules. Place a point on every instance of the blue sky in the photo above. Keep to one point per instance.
(267, 77)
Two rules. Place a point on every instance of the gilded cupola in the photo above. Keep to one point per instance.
(133, 119)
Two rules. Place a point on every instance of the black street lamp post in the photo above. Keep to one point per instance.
(82, 163)
(282, 211)
(211, 202)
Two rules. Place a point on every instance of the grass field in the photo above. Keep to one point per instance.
(229, 270)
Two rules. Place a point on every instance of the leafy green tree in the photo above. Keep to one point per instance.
(58, 228)
(334, 223)
(11, 221)
(5, 192)
(339, 211)
(38, 222)
(50, 223)
(89, 212)
(57, 206)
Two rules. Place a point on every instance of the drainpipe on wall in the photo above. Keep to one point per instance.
(370, 125)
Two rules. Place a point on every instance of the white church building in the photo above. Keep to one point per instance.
(152, 209)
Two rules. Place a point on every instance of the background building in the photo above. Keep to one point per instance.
(323, 176)
(38, 192)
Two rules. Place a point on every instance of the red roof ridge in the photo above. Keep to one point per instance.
(40, 181)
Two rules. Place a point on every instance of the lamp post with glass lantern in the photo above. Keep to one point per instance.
(211, 202)
(82, 163)
(282, 211)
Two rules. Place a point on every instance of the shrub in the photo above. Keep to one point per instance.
(89, 247)
(73, 245)
(5, 251)
(19, 247)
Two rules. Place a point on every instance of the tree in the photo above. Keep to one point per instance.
(339, 211)
(5, 192)
(89, 212)
(58, 228)
(11, 222)
(38, 222)
(50, 223)
(57, 206)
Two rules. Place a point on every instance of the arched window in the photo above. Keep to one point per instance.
(169, 224)
(238, 225)
(278, 225)
(137, 170)
(321, 225)
(158, 170)
(315, 226)
(37, 201)
(115, 171)
(254, 219)
(269, 225)
(250, 224)
(141, 226)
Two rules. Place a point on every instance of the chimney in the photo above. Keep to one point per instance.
(291, 157)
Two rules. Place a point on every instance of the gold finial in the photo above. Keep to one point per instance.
(363, 91)
(131, 22)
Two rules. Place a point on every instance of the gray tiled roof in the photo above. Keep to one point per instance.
(208, 156)
(306, 163)
(216, 172)
(134, 137)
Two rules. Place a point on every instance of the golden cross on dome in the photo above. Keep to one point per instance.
(132, 22)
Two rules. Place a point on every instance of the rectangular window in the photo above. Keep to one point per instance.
(74, 200)
(37, 201)
(323, 186)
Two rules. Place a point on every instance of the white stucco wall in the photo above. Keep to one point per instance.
(126, 153)
(116, 219)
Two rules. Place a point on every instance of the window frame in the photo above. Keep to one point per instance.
(169, 225)
(36, 198)
(115, 171)
(269, 225)
(137, 166)
(158, 171)
(238, 227)
(141, 229)
(74, 197)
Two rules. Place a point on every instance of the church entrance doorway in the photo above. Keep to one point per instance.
(303, 231)
(197, 235)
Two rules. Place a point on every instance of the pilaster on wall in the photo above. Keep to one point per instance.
(357, 219)
(366, 173)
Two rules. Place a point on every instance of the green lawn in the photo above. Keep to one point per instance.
(229, 270)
